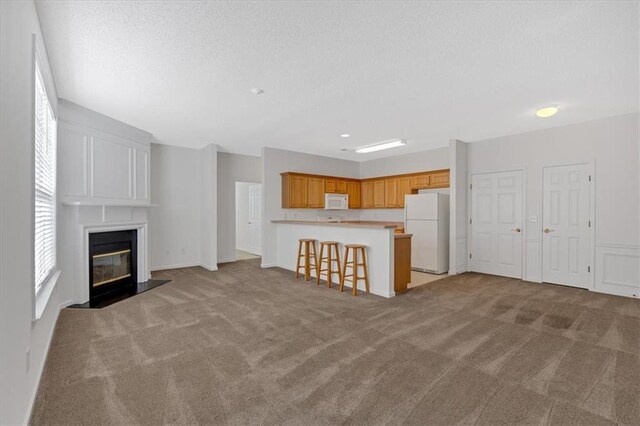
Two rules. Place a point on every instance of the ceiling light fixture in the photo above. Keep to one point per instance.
(547, 112)
(394, 143)
(257, 91)
(345, 135)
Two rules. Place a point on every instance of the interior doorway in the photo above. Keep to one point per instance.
(496, 223)
(566, 235)
(248, 220)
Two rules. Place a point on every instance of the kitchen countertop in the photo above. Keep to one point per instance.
(347, 223)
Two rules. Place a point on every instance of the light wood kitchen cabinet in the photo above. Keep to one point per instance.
(403, 187)
(335, 186)
(439, 180)
(353, 190)
(315, 192)
(301, 190)
(294, 191)
(378, 194)
(367, 195)
(390, 199)
(420, 181)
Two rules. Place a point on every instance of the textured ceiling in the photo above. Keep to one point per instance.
(425, 72)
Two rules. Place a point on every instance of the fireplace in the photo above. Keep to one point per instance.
(113, 263)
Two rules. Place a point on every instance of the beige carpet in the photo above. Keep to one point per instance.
(246, 345)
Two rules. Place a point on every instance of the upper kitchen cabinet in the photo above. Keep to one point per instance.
(367, 195)
(390, 199)
(403, 187)
(439, 179)
(353, 190)
(294, 191)
(301, 190)
(315, 193)
(378, 194)
(335, 186)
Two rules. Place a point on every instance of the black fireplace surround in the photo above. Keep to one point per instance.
(113, 261)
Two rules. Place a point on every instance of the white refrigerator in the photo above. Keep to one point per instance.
(426, 216)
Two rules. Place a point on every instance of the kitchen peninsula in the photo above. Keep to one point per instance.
(379, 237)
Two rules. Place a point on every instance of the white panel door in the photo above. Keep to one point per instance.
(496, 223)
(255, 219)
(565, 220)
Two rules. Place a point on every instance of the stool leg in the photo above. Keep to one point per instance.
(321, 256)
(298, 261)
(355, 272)
(329, 264)
(315, 258)
(344, 268)
(366, 273)
(339, 266)
(306, 261)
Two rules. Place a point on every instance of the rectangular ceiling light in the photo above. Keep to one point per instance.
(394, 143)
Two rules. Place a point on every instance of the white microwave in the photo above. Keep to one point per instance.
(336, 201)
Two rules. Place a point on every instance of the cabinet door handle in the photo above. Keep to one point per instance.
(547, 230)
(516, 230)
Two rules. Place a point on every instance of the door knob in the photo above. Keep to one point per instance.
(547, 230)
(516, 230)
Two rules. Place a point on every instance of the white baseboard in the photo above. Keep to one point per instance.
(175, 266)
(268, 265)
(209, 268)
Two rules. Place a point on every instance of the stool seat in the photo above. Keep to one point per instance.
(329, 243)
(355, 246)
(357, 251)
(307, 240)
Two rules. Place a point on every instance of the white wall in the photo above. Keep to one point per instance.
(232, 168)
(276, 161)
(18, 334)
(458, 218)
(242, 236)
(613, 144)
(174, 220)
(432, 159)
(182, 220)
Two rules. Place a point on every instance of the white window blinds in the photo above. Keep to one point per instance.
(45, 185)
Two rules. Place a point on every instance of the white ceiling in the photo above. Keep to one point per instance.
(425, 72)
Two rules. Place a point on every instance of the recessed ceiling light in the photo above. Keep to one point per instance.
(345, 135)
(394, 143)
(257, 91)
(547, 112)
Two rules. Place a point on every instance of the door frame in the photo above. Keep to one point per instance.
(235, 214)
(592, 216)
(523, 245)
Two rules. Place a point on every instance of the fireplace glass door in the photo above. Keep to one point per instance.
(110, 267)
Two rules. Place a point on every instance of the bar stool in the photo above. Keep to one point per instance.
(354, 264)
(333, 255)
(309, 254)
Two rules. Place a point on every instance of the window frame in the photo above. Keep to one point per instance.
(40, 69)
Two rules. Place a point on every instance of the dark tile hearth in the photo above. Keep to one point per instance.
(115, 297)
(246, 345)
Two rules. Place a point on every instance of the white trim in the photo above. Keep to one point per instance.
(143, 260)
(174, 266)
(44, 295)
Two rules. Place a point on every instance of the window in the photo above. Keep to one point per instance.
(45, 185)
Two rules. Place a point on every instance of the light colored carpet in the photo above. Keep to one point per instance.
(246, 345)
